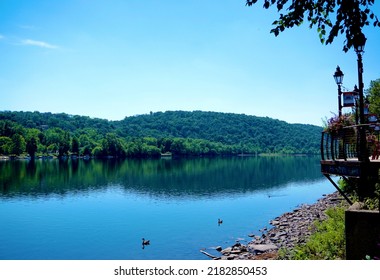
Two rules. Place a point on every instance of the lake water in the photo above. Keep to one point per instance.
(77, 209)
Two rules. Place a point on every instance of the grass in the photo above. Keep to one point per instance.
(326, 243)
(328, 239)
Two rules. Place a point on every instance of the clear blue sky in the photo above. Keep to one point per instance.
(117, 58)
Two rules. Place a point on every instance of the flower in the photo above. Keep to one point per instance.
(337, 123)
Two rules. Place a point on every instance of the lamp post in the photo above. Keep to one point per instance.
(356, 95)
(359, 49)
(338, 77)
(363, 153)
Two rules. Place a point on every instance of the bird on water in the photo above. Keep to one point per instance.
(145, 242)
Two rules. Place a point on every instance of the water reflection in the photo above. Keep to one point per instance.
(101, 209)
(176, 177)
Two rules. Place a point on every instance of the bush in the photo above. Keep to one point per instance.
(371, 201)
(328, 240)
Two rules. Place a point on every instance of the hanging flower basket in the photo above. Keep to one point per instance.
(336, 124)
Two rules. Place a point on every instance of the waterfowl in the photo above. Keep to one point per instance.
(145, 242)
(220, 221)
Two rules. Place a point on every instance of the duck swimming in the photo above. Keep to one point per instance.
(145, 242)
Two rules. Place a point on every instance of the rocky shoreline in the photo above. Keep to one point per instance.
(287, 231)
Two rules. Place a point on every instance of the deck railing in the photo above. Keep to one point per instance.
(345, 143)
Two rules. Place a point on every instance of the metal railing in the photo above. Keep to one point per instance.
(345, 143)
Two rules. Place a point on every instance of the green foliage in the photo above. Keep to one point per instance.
(112, 146)
(31, 146)
(97, 151)
(248, 134)
(63, 144)
(5, 145)
(180, 133)
(331, 18)
(371, 198)
(75, 145)
(373, 95)
(18, 144)
(328, 240)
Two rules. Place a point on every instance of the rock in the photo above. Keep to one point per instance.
(208, 255)
(235, 252)
(227, 251)
(356, 206)
(262, 248)
(289, 230)
(281, 233)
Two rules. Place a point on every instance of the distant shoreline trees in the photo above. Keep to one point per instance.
(177, 133)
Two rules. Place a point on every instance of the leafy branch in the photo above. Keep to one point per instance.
(331, 17)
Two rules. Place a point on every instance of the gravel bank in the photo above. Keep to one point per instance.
(287, 231)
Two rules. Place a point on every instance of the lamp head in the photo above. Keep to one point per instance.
(359, 43)
(338, 76)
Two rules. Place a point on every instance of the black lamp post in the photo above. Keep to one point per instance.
(359, 49)
(338, 77)
(356, 95)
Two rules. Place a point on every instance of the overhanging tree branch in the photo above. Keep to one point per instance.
(331, 17)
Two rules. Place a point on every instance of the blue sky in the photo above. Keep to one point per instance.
(117, 58)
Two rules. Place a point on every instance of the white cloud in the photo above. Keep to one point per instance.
(41, 44)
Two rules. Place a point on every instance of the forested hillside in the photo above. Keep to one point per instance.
(178, 132)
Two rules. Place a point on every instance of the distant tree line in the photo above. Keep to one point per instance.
(177, 132)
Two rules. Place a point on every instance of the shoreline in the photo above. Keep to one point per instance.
(162, 156)
(288, 230)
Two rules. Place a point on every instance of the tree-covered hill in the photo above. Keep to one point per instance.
(178, 132)
(263, 133)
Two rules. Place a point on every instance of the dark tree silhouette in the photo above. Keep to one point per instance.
(31, 147)
(331, 17)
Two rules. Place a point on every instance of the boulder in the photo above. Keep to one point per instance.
(262, 247)
(356, 206)
(227, 251)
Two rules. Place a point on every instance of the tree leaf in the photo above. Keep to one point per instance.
(349, 17)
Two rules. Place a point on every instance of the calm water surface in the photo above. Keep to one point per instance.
(102, 209)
